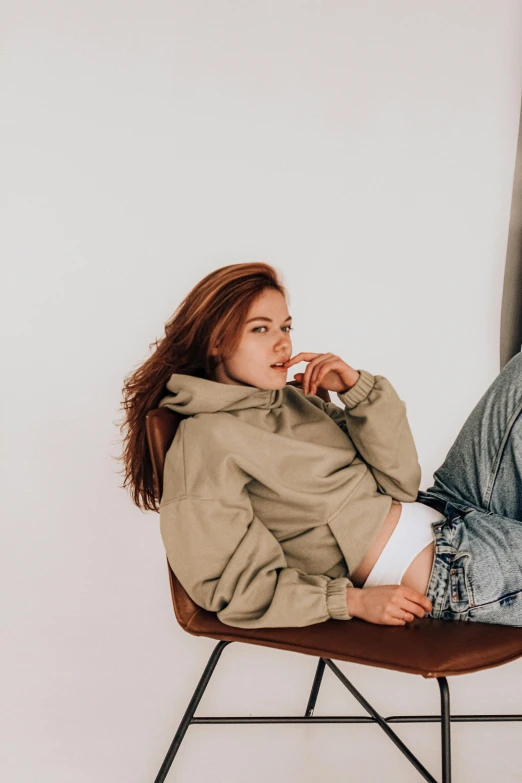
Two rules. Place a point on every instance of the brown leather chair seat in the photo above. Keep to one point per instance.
(433, 648)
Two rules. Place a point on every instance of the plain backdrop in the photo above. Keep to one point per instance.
(365, 149)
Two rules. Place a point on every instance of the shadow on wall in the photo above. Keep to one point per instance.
(511, 316)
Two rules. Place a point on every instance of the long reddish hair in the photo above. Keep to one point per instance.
(214, 311)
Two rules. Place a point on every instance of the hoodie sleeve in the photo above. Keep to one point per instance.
(230, 563)
(374, 417)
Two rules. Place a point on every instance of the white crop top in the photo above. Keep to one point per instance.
(413, 532)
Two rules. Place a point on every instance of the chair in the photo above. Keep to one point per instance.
(430, 647)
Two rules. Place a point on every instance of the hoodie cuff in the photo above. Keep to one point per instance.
(336, 602)
(359, 391)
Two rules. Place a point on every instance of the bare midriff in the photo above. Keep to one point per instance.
(416, 576)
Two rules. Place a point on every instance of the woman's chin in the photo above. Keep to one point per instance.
(269, 384)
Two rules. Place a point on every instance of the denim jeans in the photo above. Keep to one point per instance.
(477, 568)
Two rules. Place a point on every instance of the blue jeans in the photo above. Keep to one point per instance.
(477, 570)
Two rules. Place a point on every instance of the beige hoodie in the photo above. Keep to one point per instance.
(271, 497)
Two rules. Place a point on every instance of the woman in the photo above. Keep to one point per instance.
(278, 509)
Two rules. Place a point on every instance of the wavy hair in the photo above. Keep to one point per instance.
(214, 311)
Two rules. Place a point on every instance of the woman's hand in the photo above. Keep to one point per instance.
(387, 604)
(324, 370)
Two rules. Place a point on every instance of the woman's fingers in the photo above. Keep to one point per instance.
(313, 359)
(400, 614)
(394, 621)
(412, 608)
(404, 604)
(300, 357)
(391, 604)
(319, 368)
(308, 385)
(417, 598)
(405, 609)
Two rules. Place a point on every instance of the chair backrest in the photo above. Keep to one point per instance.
(161, 427)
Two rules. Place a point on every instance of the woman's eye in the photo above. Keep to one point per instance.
(264, 327)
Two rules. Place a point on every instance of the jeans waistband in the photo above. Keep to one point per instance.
(447, 507)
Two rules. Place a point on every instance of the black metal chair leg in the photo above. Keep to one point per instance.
(382, 723)
(445, 727)
(315, 688)
(189, 712)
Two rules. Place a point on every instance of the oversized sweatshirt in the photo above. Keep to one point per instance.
(272, 497)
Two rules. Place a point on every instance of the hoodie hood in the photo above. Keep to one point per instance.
(191, 395)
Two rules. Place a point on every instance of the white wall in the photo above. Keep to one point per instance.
(366, 149)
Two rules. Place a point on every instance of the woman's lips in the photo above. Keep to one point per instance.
(283, 369)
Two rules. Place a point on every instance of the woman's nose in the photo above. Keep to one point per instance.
(284, 343)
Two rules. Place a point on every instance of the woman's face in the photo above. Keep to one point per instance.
(264, 341)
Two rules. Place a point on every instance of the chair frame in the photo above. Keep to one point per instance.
(445, 718)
